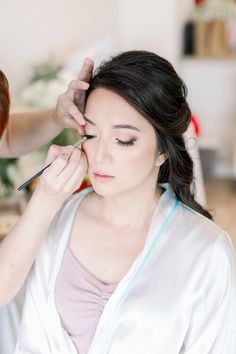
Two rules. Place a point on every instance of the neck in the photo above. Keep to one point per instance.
(132, 210)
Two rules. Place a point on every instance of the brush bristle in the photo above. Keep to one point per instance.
(90, 136)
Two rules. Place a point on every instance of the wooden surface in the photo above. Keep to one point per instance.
(221, 199)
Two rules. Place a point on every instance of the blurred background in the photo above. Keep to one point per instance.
(43, 45)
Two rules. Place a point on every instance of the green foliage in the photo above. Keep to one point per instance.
(46, 71)
(5, 177)
(66, 137)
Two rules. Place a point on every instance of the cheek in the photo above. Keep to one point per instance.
(141, 160)
(131, 159)
(89, 150)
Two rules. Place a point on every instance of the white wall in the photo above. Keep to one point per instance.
(30, 31)
(212, 96)
(149, 25)
(154, 25)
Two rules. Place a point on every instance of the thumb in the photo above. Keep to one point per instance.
(53, 152)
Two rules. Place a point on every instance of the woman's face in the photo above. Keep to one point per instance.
(124, 154)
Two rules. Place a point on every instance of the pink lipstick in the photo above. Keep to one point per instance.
(101, 176)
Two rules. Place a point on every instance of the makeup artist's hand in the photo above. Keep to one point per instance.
(70, 105)
(65, 174)
(18, 251)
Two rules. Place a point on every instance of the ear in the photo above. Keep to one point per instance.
(160, 159)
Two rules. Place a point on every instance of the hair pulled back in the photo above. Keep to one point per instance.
(150, 84)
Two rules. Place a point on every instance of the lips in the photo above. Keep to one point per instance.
(101, 175)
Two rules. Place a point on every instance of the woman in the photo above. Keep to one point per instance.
(21, 133)
(133, 264)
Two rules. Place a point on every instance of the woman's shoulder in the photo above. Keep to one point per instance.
(201, 248)
(190, 222)
(197, 222)
(205, 233)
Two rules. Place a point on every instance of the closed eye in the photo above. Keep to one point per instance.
(126, 143)
(120, 142)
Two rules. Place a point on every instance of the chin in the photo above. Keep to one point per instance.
(102, 187)
(102, 190)
(105, 190)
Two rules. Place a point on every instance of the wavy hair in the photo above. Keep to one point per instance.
(150, 84)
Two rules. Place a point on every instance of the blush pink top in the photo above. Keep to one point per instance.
(80, 298)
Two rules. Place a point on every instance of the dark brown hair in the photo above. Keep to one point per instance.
(4, 102)
(150, 84)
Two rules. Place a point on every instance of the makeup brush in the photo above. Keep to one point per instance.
(79, 142)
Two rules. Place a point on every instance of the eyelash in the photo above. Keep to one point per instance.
(125, 143)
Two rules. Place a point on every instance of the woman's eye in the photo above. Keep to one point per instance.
(125, 143)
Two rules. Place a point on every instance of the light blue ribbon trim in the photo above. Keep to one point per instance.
(159, 234)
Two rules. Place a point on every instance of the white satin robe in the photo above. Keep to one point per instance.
(179, 296)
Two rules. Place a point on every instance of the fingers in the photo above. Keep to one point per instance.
(76, 101)
(73, 164)
(69, 114)
(53, 152)
(76, 116)
(59, 156)
(70, 105)
(76, 85)
(66, 172)
(75, 181)
(86, 71)
(77, 177)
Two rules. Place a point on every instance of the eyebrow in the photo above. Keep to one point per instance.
(116, 126)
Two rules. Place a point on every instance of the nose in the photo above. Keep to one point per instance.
(102, 154)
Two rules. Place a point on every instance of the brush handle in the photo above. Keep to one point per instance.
(33, 177)
(41, 171)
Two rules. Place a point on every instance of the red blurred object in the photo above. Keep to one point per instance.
(195, 123)
(198, 2)
(86, 183)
